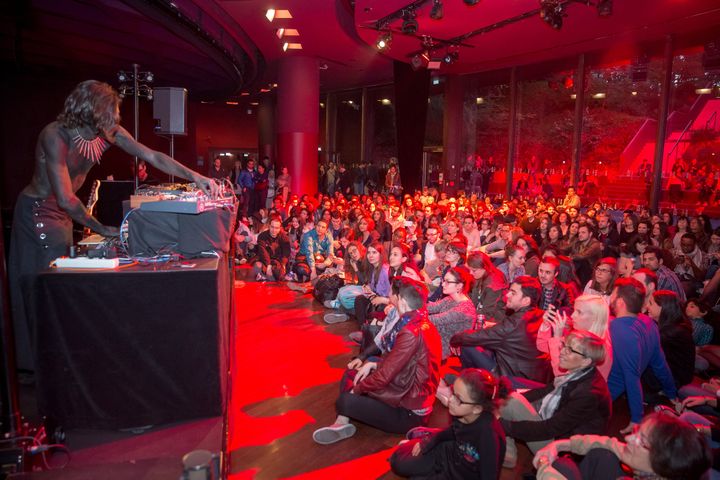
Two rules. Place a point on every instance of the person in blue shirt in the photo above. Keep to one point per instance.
(246, 186)
(316, 252)
(636, 346)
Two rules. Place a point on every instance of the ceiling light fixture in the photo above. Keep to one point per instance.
(436, 12)
(270, 14)
(410, 23)
(471, 2)
(384, 40)
(280, 32)
(451, 56)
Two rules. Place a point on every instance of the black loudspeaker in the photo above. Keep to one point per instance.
(170, 110)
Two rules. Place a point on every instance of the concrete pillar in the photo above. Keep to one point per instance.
(453, 128)
(266, 127)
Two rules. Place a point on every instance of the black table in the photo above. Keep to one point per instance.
(131, 347)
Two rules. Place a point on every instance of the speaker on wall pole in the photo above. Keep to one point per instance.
(170, 110)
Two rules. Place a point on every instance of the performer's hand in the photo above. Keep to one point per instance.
(107, 231)
(208, 185)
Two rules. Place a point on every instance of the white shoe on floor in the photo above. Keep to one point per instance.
(334, 433)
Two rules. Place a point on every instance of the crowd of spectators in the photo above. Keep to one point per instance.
(553, 310)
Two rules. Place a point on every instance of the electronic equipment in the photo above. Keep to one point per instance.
(176, 198)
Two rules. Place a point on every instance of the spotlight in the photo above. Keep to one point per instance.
(450, 57)
(122, 76)
(149, 77)
(436, 12)
(384, 40)
(604, 8)
(471, 2)
(409, 24)
(552, 13)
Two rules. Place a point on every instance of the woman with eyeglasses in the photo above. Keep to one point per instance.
(472, 447)
(603, 279)
(455, 312)
(662, 447)
(575, 403)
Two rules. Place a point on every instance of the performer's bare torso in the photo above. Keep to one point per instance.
(78, 166)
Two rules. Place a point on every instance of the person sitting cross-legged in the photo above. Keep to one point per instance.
(397, 392)
(578, 402)
(472, 447)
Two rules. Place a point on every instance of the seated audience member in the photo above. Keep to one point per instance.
(675, 338)
(585, 252)
(355, 268)
(488, 289)
(426, 249)
(395, 393)
(455, 312)
(649, 280)
(603, 278)
(434, 268)
(652, 259)
(553, 292)
(608, 235)
(273, 252)
(513, 267)
(662, 447)
(591, 314)
(532, 255)
(510, 346)
(471, 233)
(316, 253)
(691, 264)
(378, 285)
(365, 232)
(636, 346)
(454, 255)
(577, 403)
(401, 262)
(472, 447)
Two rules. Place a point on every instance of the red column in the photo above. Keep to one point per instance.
(298, 103)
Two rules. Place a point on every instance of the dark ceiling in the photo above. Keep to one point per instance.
(219, 48)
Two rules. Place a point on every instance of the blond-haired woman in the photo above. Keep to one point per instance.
(591, 314)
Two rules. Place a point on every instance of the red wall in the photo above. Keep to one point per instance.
(223, 126)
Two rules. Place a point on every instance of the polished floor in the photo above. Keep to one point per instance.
(285, 381)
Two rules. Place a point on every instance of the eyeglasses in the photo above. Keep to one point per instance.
(603, 270)
(456, 399)
(445, 280)
(568, 348)
(637, 439)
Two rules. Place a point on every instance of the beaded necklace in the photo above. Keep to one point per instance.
(90, 149)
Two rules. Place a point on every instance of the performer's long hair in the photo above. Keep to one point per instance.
(92, 103)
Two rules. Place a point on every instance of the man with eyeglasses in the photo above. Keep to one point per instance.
(426, 251)
(636, 346)
(509, 347)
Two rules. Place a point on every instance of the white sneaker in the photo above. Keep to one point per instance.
(335, 318)
(334, 433)
(330, 304)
